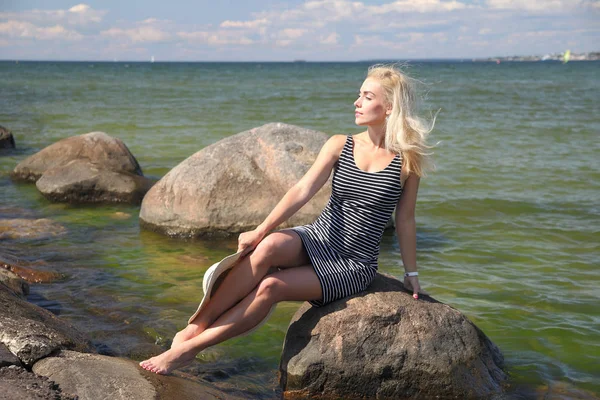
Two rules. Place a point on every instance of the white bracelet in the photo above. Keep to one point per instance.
(411, 274)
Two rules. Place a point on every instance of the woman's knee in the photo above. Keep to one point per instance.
(281, 249)
(268, 248)
(269, 289)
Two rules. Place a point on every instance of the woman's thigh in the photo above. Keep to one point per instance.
(283, 249)
(292, 284)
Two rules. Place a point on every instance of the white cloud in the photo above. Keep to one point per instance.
(80, 14)
(219, 38)
(330, 39)
(138, 35)
(484, 31)
(290, 33)
(245, 24)
(421, 6)
(27, 30)
(541, 5)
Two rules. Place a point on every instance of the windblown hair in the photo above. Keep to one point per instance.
(406, 133)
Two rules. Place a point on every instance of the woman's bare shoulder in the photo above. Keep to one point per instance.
(335, 144)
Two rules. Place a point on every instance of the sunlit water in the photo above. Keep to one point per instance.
(508, 224)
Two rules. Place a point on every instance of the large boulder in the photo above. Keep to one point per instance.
(31, 333)
(384, 344)
(80, 181)
(95, 147)
(92, 376)
(93, 167)
(7, 141)
(232, 185)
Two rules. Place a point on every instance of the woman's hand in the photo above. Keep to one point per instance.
(247, 241)
(412, 283)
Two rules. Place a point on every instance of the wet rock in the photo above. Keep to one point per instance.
(18, 383)
(7, 358)
(31, 275)
(34, 229)
(384, 344)
(92, 376)
(14, 283)
(79, 181)
(97, 148)
(232, 185)
(7, 141)
(31, 333)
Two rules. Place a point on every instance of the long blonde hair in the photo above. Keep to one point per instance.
(406, 133)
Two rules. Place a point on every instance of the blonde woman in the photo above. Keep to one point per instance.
(374, 172)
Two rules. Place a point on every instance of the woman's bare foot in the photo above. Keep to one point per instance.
(169, 361)
(187, 333)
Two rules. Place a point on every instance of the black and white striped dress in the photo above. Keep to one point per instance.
(343, 243)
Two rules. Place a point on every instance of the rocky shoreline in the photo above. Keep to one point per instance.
(376, 344)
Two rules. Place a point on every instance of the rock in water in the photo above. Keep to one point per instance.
(232, 185)
(31, 333)
(384, 344)
(89, 168)
(7, 140)
(82, 182)
(98, 148)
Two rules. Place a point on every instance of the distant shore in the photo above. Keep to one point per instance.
(592, 56)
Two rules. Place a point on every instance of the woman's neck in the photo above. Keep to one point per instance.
(376, 134)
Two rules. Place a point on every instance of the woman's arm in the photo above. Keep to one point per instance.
(407, 232)
(298, 195)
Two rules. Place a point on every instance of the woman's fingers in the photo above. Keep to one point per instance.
(412, 283)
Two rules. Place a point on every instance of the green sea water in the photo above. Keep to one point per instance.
(508, 223)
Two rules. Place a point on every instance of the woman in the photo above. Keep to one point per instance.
(336, 256)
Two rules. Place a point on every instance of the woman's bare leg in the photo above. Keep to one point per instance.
(283, 249)
(292, 284)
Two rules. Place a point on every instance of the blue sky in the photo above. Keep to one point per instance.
(276, 30)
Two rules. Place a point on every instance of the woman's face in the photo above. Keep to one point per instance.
(370, 107)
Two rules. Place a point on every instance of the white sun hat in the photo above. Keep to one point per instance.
(213, 277)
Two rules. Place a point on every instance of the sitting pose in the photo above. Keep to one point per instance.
(336, 256)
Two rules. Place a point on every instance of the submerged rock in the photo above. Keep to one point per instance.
(384, 344)
(31, 333)
(24, 228)
(7, 140)
(93, 167)
(232, 185)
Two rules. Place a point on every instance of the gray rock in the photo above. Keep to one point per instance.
(31, 333)
(232, 185)
(34, 229)
(80, 181)
(14, 283)
(384, 344)
(98, 148)
(7, 140)
(7, 358)
(18, 383)
(92, 376)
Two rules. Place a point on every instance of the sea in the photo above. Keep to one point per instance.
(508, 222)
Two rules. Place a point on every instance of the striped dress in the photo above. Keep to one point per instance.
(343, 243)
